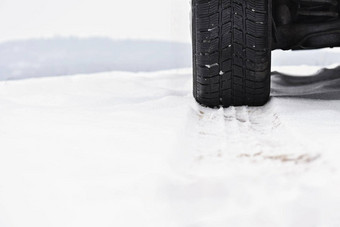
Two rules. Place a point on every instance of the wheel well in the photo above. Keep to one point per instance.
(306, 24)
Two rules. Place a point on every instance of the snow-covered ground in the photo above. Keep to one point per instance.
(127, 149)
(87, 139)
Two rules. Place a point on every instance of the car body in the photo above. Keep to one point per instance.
(305, 24)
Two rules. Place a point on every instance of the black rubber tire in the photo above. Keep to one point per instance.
(231, 52)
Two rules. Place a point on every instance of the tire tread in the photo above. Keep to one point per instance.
(231, 52)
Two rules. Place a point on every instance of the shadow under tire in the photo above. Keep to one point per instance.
(231, 52)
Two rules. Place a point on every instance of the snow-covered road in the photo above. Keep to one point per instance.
(126, 149)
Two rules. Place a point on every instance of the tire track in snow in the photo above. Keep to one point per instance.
(250, 133)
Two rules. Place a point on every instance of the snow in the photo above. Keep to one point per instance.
(125, 148)
(99, 126)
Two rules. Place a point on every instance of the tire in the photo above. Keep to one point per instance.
(231, 52)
